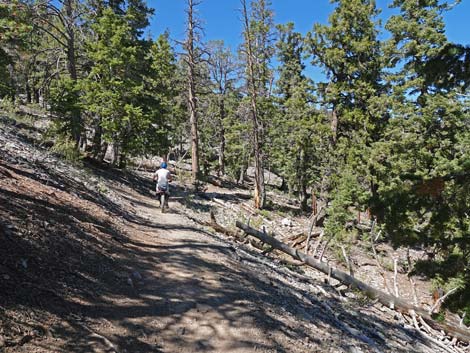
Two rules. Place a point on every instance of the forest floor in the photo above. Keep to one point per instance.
(88, 263)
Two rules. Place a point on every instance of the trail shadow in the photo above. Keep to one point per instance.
(233, 197)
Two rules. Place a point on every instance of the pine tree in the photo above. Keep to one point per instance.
(15, 28)
(421, 163)
(112, 86)
(297, 133)
(223, 73)
(350, 54)
(158, 97)
(63, 25)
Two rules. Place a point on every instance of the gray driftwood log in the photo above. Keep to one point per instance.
(386, 299)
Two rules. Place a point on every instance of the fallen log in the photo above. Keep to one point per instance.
(249, 209)
(304, 237)
(295, 236)
(389, 300)
(222, 230)
(299, 240)
(219, 202)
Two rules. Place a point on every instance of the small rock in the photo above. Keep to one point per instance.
(286, 222)
(6, 277)
(203, 308)
(136, 276)
(181, 331)
(354, 349)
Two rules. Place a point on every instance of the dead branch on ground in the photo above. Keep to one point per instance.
(386, 299)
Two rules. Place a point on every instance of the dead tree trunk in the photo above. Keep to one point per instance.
(303, 196)
(259, 192)
(334, 126)
(192, 100)
(384, 298)
(222, 137)
(69, 20)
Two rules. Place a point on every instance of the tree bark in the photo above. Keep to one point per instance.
(192, 100)
(303, 197)
(334, 127)
(259, 192)
(97, 141)
(28, 93)
(72, 68)
(241, 178)
(384, 298)
(222, 137)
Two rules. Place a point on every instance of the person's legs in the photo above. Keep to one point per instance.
(167, 193)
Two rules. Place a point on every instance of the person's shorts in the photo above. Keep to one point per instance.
(160, 188)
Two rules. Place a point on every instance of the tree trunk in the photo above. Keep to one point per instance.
(102, 152)
(303, 196)
(28, 93)
(222, 138)
(115, 158)
(193, 118)
(97, 140)
(314, 203)
(334, 126)
(13, 94)
(36, 95)
(259, 192)
(72, 69)
(122, 160)
(241, 178)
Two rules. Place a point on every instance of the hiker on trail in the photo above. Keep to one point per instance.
(162, 176)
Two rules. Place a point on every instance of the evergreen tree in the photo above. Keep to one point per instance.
(136, 12)
(297, 133)
(350, 54)
(158, 98)
(15, 29)
(63, 26)
(223, 73)
(112, 85)
(422, 164)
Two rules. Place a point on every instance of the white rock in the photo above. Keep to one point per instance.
(286, 222)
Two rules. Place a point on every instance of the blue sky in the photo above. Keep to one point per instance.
(221, 18)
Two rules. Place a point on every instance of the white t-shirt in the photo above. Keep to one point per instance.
(162, 175)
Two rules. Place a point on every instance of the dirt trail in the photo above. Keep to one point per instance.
(191, 292)
(195, 295)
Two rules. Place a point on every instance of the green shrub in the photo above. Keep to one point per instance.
(65, 147)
